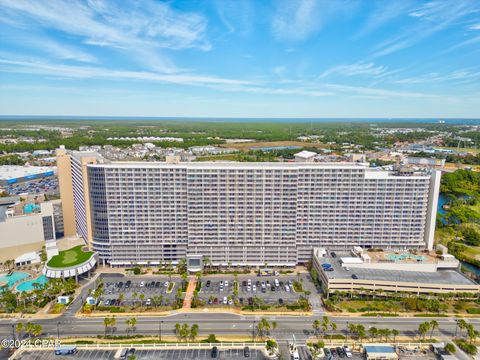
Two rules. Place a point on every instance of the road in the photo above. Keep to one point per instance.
(225, 324)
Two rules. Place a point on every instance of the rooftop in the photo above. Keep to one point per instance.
(8, 172)
(70, 257)
(438, 277)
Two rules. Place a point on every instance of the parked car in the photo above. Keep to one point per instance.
(214, 352)
(246, 351)
(347, 351)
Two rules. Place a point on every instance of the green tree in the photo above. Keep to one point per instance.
(423, 328)
(395, 333)
(433, 327)
(194, 332)
(316, 326)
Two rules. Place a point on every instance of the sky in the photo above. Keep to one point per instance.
(241, 58)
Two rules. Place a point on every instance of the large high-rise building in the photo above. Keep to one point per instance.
(245, 213)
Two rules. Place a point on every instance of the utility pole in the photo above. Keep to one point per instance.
(253, 331)
(58, 330)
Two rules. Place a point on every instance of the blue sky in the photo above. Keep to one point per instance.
(239, 58)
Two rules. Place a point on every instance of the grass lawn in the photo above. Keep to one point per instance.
(70, 257)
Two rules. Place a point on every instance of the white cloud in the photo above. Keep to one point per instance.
(383, 13)
(140, 32)
(474, 27)
(459, 75)
(430, 18)
(366, 69)
(299, 19)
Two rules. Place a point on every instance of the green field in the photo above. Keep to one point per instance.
(70, 257)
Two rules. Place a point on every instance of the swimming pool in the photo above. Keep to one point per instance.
(401, 257)
(14, 278)
(28, 285)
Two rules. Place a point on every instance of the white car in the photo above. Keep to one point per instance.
(148, 302)
(249, 282)
(230, 302)
(226, 283)
(142, 284)
(254, 288)
(225, 301)
(276, 273)
(347, 351)
(287, 288)
(166, 284)
(221, 287)
(249, 288)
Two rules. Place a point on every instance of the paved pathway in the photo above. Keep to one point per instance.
(192, 284)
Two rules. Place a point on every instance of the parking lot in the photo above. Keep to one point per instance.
(132, 287)
(177, 354)
(271, 289)
(47, 185)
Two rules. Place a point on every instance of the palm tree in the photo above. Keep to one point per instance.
(471, 332)
(373, 332)
(121, 298)
(36, 330)
(113, 322)
(141, 297)
(134, 297)
(462, 324)
(395, 333)
(106, 323)
(178, 328)
(194, 331)
(19, 328)
(361, 333)
(423, 329)
(433, 327)
(325, 325)
(316, 326)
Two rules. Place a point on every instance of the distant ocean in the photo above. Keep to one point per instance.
(455, 121)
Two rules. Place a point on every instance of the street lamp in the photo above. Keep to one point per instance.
(58, 330)
(253, 331)
(456, 328)
(346, 333)
(160, 330)
(13, 332)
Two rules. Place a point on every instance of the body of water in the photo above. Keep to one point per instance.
(14, 278)
(28, 285)
(233, 119)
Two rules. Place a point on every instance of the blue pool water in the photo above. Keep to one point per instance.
(31, 208)
(28, 285)
(13, 278)
(401, 257)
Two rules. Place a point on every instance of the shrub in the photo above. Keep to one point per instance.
(212, 339)
(470, 349)
(450, 348)
(473, 311)
(136, 270)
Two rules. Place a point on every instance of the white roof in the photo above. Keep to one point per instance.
(31, 256)
(305, 154)
(15, 171)
(351, 260)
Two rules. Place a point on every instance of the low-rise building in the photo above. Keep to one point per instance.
(24, 228)
(357, 270)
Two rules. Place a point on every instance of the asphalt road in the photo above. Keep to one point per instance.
(225, 323)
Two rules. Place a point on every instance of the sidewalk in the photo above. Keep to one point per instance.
(187, 301)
